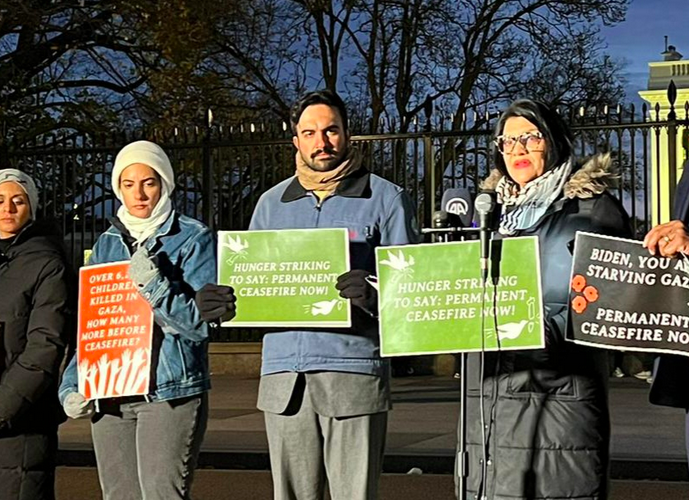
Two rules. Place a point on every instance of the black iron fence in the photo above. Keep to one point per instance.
(221, 173)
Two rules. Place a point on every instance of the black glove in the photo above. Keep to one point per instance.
(215, 302)
(353, 285)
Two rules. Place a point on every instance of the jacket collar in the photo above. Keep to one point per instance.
(588, 179)
(356, 185)
(42, 234)
(170, 225)
(593, 177)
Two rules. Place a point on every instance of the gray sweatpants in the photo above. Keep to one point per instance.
(148, 451)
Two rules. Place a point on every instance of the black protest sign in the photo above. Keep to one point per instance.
(622, 297)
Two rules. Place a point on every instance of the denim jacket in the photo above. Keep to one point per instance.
(376, 213)
(185, 251)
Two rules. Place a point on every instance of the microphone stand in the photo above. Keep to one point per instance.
(442, 234)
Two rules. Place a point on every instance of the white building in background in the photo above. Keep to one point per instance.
(671, 69)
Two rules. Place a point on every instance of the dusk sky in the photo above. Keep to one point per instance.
(639, 39)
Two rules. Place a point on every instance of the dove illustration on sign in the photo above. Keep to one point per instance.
(323, 307)
(237, 247)
(511, 331)
(398, 262)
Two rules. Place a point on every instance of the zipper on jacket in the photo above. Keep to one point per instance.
(317, 207)
(319, 202)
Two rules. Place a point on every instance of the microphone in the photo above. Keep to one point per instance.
(441, 219)
(484, 206)
(457, 203)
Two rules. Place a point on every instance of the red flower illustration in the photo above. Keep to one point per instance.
(579, 304)
(578, 283)
(591, 293)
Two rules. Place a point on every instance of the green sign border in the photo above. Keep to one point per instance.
(486, 349)
(306, 324)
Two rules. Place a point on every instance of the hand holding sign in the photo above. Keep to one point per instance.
(668, 239)
(354, 285)
(142, 267)
(76, 406)
(215, 302)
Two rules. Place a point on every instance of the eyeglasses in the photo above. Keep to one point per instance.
(529, 141)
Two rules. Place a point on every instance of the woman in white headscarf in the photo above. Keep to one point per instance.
(147, 446)
(35, 319)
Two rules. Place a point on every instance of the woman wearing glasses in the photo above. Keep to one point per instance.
(547, 425)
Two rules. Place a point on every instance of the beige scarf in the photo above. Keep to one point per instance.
(313, 180)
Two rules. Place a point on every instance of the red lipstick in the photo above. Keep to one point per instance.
(522, 164)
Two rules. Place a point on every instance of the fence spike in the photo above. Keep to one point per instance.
(672, 93)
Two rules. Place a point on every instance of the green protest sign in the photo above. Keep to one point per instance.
(432, 299)
(285, 278)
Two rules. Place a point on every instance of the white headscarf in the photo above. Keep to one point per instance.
(26, 183)
(152, 155)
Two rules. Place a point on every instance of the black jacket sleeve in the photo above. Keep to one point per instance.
(36, 368)
(604, 215)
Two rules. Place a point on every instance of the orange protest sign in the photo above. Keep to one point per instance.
(114, 334)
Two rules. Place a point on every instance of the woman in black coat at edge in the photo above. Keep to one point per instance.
(35, 318)
(546, 422)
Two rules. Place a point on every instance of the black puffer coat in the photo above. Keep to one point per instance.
(36, 318)
(671, 371)
(548, 424)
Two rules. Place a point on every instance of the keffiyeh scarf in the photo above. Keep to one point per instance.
(523, 207)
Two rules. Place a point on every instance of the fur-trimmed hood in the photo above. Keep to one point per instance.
(593, 177)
